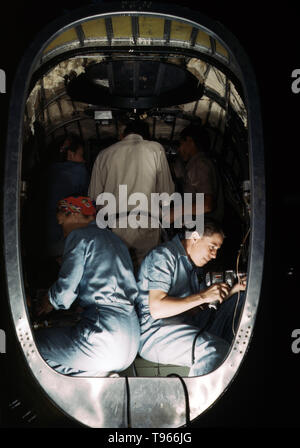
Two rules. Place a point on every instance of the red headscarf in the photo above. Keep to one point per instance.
(80, 204)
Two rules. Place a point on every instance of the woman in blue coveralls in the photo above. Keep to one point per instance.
(97, 269)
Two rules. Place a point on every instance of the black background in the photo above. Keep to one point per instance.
(266, 391)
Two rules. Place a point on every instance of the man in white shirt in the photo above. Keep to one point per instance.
(141, 165)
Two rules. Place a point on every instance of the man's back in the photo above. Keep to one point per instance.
(96, 266)
(139, 164)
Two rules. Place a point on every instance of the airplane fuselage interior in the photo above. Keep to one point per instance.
(93, 75)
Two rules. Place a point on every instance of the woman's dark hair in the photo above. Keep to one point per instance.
(71, 142)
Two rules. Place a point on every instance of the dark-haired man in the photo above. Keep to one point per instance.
(141, 165)
(174, 329)
(199, 174)
(67, 176)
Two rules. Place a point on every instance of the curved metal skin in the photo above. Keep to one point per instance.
(155, 402)
(84, 89)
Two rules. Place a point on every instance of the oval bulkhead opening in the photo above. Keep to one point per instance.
(93, 77)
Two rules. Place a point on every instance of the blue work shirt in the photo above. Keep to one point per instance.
(166, 268)
(200, 339)
(96, 268)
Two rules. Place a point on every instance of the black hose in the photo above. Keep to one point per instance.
(186, 395)
(128, 402)
(194, 344)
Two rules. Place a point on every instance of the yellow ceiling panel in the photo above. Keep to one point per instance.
(66, 37)
(94, 28)
(180, 31)
(203, 39)
(221, 50)
(122, 26)
(151, 27)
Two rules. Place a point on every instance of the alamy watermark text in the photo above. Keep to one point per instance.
(2, 341)
(296, 343)
(2, 81)
(138, 210)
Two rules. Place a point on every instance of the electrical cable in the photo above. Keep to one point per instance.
(186, 396)
(194, 344)
(134, 369)
(238, 277)
(128, 402)
(236, 305)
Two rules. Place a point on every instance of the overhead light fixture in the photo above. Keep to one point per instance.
(103, 115)
(169, 118)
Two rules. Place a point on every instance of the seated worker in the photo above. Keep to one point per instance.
(97, 269)
(175, 327)
(198, 173)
